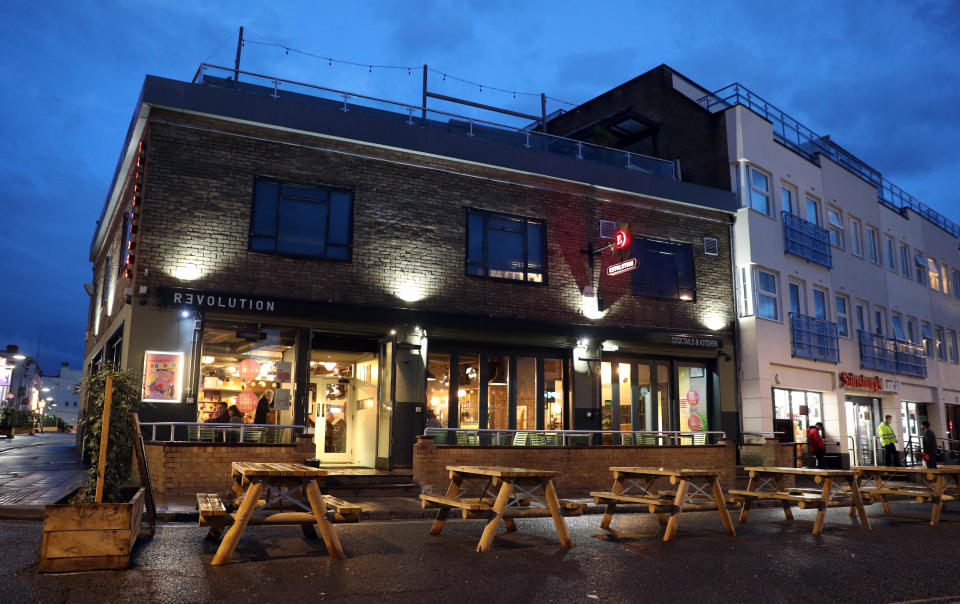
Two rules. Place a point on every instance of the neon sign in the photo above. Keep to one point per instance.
(621, 239)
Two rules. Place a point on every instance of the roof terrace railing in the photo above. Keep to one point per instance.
(808, 143)
(420, 116)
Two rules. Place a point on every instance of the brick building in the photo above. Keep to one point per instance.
(380, 271)
(848, 287)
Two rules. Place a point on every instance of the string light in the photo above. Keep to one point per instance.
(443, 76)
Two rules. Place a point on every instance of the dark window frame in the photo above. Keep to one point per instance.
(484, 263)
(639, 281)
(328, 189)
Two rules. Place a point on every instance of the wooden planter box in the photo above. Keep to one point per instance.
(90, 536)
(23, 430)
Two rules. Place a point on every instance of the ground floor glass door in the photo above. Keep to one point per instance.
(861, 431)
(334, 414)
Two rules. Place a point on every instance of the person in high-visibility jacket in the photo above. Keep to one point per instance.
(889, 442)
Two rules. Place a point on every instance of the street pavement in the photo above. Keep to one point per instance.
(903, 559)
(36, 470)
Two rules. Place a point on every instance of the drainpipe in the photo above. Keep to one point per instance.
(736, 329)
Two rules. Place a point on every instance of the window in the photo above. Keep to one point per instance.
(873, 253)
(897, 322)
(505, 247)
(836, 227)
(879, 320)
(955, 282)
(920, 267)
(665, 270)
(952, 343)
(820, 304)
(842, 316)
(928, 341)
(944, 281)
(934, 271)
(856, 243)
(768, 304)
(861, 317)
(891, 261)
(941, 343)
(759, 191)
(796, 298)
(786, 198)
(904, 261)
(912, 330)
(301, 220)
(813, 211)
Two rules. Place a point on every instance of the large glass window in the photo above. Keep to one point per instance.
(438, 390)
(301, 219)
(552, 394)
(795, 411)
(498, 394)
(500, 246)
(759, 191)
(526, 393)
(665, 270)
(768, 303)
(692, 391)
(468, 390)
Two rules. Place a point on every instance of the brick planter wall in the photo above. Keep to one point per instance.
(186, 468)
(582, 469)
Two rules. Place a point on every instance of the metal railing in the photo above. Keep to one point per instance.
(808, 143)
(564, 438)
(807, 240)
(419, 116)
(891, 355)
(812, 338)
(210, 432)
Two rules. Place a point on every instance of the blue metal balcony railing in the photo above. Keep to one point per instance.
(807, 240)
(813, 338)
(891, 355)
(808, 143)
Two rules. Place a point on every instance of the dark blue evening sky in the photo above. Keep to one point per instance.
(882, 78)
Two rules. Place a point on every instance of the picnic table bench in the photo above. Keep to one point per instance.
(517, 496)
(769, 483)
(931, 486)
(696, 490)
(274, 493)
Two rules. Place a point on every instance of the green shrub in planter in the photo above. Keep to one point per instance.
(126, 399)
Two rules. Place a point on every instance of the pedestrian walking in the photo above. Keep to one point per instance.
(815, 444)
(929, 444)
(888, 440)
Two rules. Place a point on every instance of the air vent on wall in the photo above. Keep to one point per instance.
(608, 229)
(710, 246)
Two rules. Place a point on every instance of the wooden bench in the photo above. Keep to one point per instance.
(803, 499)
(214, 513)
(479, 507)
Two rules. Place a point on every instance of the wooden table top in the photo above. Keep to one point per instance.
(912, 470)
(251, 469)
(801, 471)
(503, 471)
(653, 471)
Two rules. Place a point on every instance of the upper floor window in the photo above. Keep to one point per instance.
(856, 243)
(873, 251)
(928, 341)
(505, 247)
(955, 278)
(920, 268)
(934, 271)
(820, 304)
(912, 330)
(665, 270)
(759, 191)
(842, 316)
(952, 343)
(768, 302)
(941, 344)
(944, 279)
(301, 219)
(904, 261)
(862, 317)
(891, 261)
(879, 320)
(796, 297)
(813, 211)
(836, 227)
(787, 196)
(898, 332)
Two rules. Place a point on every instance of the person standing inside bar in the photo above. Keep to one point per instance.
(815, 442)
(889, 442)
(929, 444)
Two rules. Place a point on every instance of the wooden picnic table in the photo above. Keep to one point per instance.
(264, 488)
(696, 490)
(878, 482)
(518, 495)
(769, 483)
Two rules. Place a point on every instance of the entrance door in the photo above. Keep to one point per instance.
(335, 412)
(860, 432)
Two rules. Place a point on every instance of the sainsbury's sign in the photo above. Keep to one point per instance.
(861, 382)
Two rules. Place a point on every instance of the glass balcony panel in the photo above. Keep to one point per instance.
(806, 239)
(813, 338)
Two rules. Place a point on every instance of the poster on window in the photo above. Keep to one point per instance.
(281, 401)
(284, 370)
(162, 376)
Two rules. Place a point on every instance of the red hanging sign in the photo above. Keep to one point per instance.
(621, 239)
(247, 401)
(248, 369)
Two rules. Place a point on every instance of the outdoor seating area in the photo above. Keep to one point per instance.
(935, 486)
(569, 438)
